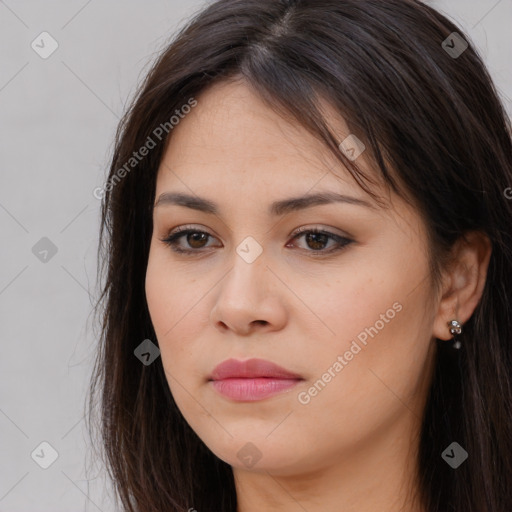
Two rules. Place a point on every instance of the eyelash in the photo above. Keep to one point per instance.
(341, 241)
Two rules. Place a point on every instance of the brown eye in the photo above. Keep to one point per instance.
(317, 240)
(197, 239)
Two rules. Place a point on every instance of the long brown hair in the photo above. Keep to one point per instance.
(434, 125)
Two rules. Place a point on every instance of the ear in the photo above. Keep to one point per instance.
(463, 282)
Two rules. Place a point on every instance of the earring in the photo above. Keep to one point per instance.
(455, 329)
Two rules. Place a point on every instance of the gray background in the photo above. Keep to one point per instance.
(57, 121)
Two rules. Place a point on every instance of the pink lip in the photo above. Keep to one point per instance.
(251, 380)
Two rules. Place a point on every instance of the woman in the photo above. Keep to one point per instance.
(309, 268)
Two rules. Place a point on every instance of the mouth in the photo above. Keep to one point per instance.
(251, 380)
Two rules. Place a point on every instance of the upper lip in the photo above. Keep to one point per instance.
(250, 369)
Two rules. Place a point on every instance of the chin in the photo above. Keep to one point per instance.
(259, 455)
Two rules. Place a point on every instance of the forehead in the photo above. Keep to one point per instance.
(232, 133)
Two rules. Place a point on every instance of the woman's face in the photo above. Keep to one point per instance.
(350, 317)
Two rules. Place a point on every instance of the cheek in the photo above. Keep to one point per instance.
(177, 302)
(169, 309)
(382, 332)
(376, 366)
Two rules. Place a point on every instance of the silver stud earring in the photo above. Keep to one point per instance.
(455, 329)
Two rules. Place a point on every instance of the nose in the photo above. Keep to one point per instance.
(250, 299)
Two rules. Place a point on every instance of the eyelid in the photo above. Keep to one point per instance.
(294, 233)
(338, 232)
(190, 227)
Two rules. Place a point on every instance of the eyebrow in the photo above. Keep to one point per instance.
(277, 208)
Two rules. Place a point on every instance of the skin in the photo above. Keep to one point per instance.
(352, 447)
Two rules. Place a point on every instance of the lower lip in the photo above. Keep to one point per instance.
(250, 390)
